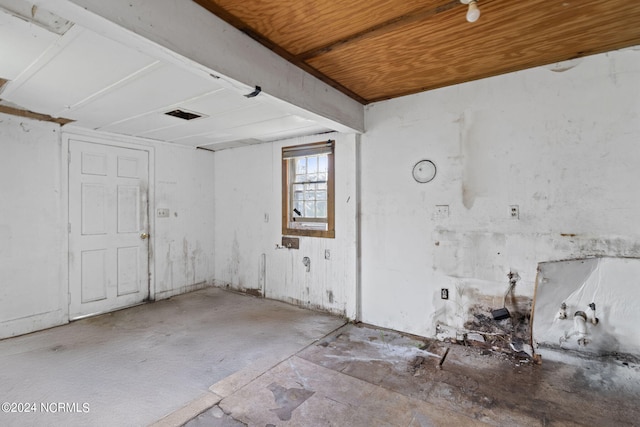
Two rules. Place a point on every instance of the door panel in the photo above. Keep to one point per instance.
(93, 206)
(128, 270)
(128, 209)
(94, 164)
(108, 216)
(94, 278)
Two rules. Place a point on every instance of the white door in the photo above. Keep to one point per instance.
(108, 228)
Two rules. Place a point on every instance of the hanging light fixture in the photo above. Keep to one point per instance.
(473, 13)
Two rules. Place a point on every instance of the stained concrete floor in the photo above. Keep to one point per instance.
(134, 366)
(218, 359)
(363, 376)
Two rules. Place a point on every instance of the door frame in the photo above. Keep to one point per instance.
(74, 133)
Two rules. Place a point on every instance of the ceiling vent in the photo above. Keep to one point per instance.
(184, 115)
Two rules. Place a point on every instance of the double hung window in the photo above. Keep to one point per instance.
(308, 190)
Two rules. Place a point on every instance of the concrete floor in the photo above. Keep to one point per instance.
(218, 359)
(363, 376)
(134, 366)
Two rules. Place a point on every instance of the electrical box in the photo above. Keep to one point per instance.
(291, 242)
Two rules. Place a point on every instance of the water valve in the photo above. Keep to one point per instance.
(591, 314)
(562, 313)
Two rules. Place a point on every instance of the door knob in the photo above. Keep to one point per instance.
(144, 236)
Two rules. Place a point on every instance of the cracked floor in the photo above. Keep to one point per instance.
(363, 376)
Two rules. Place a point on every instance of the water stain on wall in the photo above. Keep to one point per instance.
(330, 296)
(482, 172)
(233, 268)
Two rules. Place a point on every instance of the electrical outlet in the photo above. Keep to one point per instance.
(327, 254)
(514, 211)
(441, 212)
(266, 217)
(444, 293)
(163, 213)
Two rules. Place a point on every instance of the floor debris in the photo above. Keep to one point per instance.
(444, 356)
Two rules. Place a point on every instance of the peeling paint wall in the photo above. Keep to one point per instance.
(560, 142)
(33, 223)
(32, 227)
(248, 190)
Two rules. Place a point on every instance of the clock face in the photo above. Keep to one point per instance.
(424, 171)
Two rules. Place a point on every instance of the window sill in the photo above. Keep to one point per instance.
(328, 234)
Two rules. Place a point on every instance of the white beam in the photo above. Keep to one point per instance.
(183, 31)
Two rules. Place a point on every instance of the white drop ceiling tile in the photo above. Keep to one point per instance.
(85, 66)
(238, 137)
(272, 126)
(221, 102)
(286, 127)
(224, 145)
(184, 129)
(139, 125)
(250, 141)
(21, 43)
(291, 133)
(201, 140)
(159, 88)
(218, 123)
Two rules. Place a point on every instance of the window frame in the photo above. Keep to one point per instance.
(288, 155)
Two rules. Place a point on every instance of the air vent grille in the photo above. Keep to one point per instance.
(184, 115)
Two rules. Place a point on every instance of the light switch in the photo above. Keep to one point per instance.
(163, 213)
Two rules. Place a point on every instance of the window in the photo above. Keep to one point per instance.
(307, 190)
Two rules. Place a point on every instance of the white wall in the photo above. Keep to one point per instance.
(248, 186)
(561, 142)
(33, 222)
(32, 227)
(184, 242)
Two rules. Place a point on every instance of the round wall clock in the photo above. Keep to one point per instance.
(424, 171)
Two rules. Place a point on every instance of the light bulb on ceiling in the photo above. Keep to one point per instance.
(473, 13)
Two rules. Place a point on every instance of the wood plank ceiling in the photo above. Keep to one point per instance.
(379, 49)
